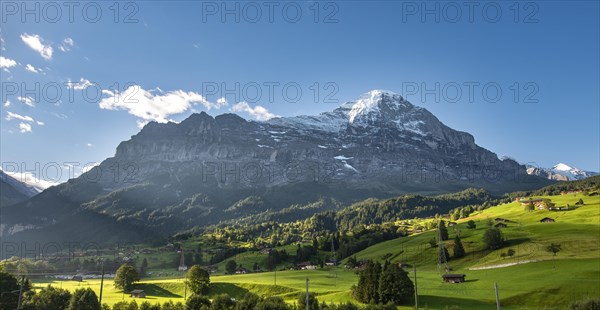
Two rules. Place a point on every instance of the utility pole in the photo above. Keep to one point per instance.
(306, 293)
(497, 296)
(442, 259)
(334, 260)
(23, 281)
(101, 283)
(332, 250)
(416, 292)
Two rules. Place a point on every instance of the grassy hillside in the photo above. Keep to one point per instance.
(531, 279)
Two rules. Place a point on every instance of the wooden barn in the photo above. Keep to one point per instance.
(137, 294)
(453, 278)
(547, 220)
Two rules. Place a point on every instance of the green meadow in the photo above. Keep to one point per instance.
(532, 278)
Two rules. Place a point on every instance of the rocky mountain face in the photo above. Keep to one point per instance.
(561, 172)
(170, 177)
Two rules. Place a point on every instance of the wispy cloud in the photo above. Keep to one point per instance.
(24, 127)
(60, 115)
(25, 121)
(66, 45)
(37, 43)
(7, 103)
(26, 100)
(82, 84)
(154, 105)
(258, 112)
(33, 69)
(10, 116)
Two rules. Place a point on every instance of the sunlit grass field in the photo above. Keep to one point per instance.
(532, 278)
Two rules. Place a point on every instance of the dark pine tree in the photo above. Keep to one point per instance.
(443, 230)
(459, 250)
(395, 286)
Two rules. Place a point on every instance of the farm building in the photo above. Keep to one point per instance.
(137, 294)
(547, 220)
(500, 225)
(242, 270)
(454, 278)
(500, 220)
(306, 266)
(77, 278)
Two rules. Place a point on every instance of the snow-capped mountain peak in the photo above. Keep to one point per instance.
(367, 108)
(367, 103)
(371, 103)
(561, 172)
(563, 167)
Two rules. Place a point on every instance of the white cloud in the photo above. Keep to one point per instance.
(33, 69)
(7, 103)
(87, 167)
(142, 123)
(258, 112)
(153, 105)
(36, 43)
(89, 145)
(81, 85)
(6, 63)
(60, 115)
(31, 179)
(25, 124)
(26, 100)
(10, 116)
(24, 127)
(222, 101)
(66, 45)
(2, 48)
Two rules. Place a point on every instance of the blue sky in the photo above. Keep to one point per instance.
(169, 54)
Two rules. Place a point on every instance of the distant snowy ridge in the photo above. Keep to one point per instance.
(561, 172)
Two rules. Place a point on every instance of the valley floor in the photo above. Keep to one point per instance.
(532, 278)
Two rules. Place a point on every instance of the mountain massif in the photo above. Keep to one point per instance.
(173, 176)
